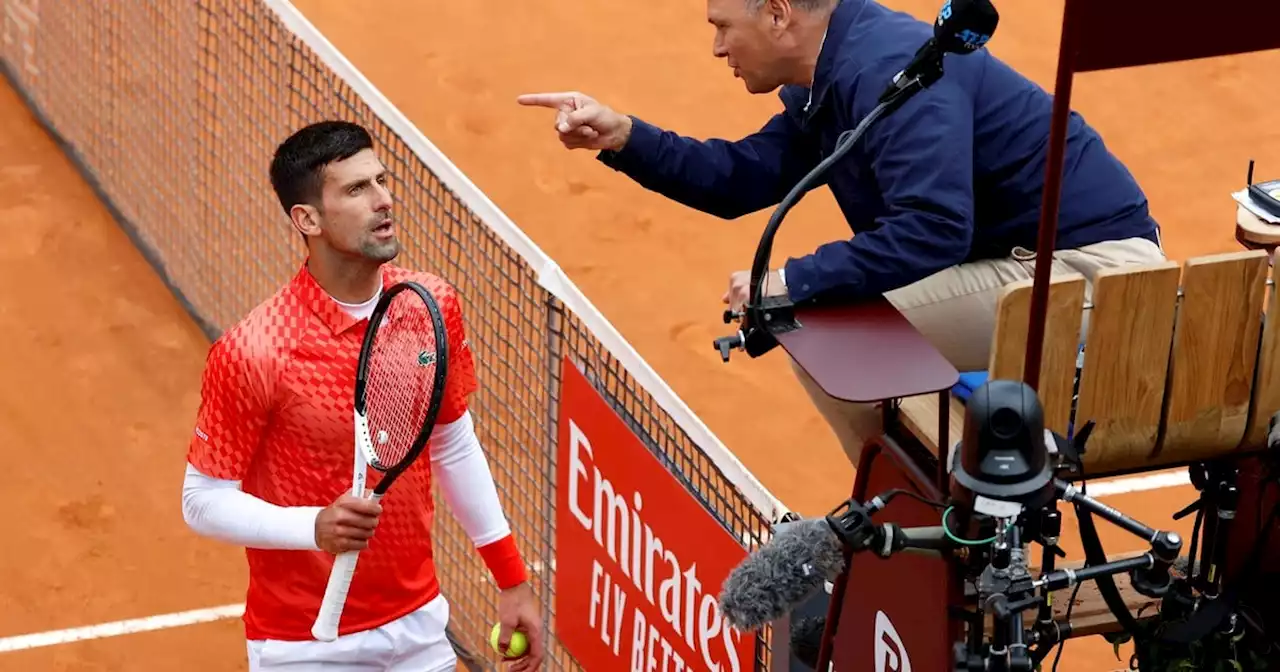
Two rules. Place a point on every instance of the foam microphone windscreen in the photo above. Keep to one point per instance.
(781, 574)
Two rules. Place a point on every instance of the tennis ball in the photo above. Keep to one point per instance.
(519, 643)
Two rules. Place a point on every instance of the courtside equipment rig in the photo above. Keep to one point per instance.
(1142, 400)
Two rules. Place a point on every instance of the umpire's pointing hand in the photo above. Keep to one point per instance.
(582, 122)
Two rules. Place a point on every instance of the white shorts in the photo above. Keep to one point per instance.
(415, 641)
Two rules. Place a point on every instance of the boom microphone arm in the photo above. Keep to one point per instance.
(962, 27)
(762, 317)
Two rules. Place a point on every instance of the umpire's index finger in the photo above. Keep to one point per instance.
(553, 100)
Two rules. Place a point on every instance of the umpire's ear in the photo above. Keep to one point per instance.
(1273, 437)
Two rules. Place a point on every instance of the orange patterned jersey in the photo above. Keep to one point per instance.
(276, 414)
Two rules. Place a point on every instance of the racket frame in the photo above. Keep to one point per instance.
(325, 627)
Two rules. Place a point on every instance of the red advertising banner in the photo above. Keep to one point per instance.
(639, 562)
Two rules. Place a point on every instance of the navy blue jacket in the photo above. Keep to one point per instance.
(954, 175)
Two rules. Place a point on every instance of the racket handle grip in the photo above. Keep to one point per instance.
(325, 628)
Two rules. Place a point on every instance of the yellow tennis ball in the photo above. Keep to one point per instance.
(519, 643)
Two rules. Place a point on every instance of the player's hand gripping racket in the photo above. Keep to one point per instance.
(400, 381)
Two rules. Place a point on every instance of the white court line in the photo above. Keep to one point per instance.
(1120, 486)
(129, 627)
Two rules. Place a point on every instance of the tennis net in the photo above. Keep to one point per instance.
(172, 108)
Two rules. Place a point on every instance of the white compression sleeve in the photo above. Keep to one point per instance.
(466, 482)
(219, 509)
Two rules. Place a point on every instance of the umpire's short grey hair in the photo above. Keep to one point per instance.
(803, 5)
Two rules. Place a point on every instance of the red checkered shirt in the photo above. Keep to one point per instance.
(276, 414)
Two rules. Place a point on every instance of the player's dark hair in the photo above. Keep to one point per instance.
(297, 169)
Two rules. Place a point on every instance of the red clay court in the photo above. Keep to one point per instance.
(103, 362)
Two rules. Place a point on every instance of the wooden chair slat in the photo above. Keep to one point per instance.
(1058, 360)
(1215, 349)
(1266, 389)
(1061, 342)
(1126, 360)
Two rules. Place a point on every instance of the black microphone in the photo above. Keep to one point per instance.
(962, 27)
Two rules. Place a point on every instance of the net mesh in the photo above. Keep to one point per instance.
(172, 109)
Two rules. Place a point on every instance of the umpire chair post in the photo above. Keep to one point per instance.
(832, 345)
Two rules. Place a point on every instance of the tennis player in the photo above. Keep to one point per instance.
(943, 195)
(271, 457)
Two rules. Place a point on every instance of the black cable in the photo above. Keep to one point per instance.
(1193, 564)
(886, 497)
(1062, 644)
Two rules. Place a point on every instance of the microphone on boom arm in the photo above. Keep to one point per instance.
(962, 27)
(1002, 497)
(1001, 467)
(803, 555)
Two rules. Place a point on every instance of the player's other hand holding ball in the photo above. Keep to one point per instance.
(581, 121)
(347, 524)
(518, 612)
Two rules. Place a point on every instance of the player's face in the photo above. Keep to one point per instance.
(748, 41)
(355, 213)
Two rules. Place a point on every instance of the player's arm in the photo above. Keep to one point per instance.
(230, 425)
(219, 509)
(463, 475)
(922, 159)
(459, 466)
(725, 178)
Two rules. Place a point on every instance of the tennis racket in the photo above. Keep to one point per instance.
(400, 381)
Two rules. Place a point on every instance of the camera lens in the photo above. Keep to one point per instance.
(1006, 423)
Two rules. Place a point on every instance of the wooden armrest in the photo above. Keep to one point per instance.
(866, 352)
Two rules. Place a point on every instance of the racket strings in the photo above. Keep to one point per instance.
(400, 379)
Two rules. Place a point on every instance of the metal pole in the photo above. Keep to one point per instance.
(1047, 238)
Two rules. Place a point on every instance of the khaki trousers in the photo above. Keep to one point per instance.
(955, 310)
